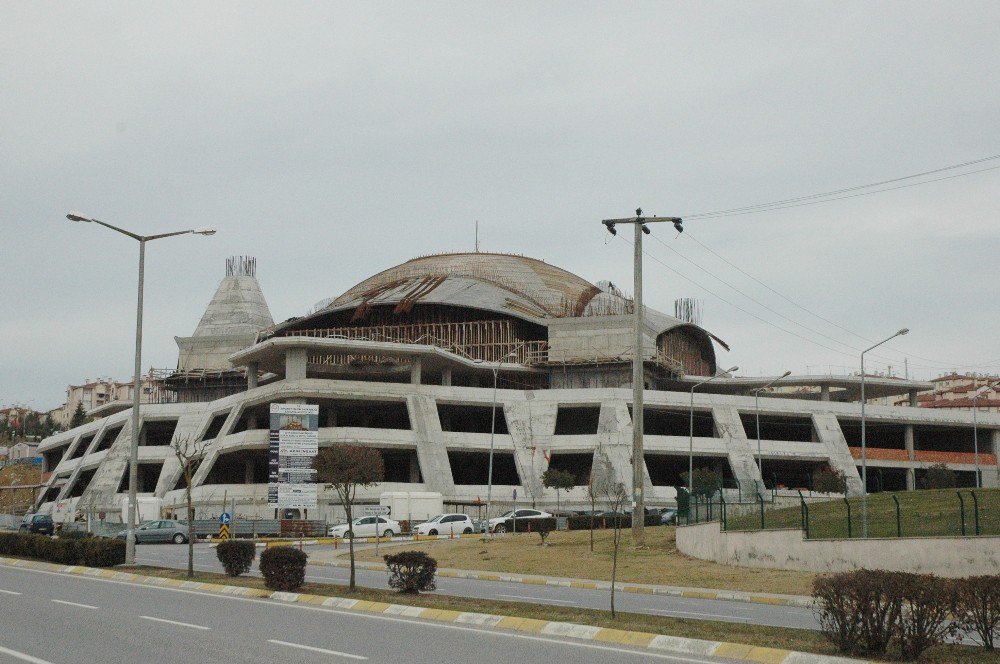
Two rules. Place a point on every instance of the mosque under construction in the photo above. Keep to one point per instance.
(407, 361)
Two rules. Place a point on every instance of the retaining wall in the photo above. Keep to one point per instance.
(788, 549)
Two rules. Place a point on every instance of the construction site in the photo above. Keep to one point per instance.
(439, 359)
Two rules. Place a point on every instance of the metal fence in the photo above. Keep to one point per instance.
(959, 513)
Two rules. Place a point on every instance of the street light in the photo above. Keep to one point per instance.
(975, 426)
(493, 427)
(864, 447)
(691, 434)
(756, 398)
(137, 379)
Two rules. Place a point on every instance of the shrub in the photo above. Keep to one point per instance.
(543, 527)
(283, 567)
(926, 605)
(102, 552)
(828, 480)
(977, 607)
(411, 571)
(939, 476)
(75, 535)
(63, 551)
(236, 556)
(857, 611)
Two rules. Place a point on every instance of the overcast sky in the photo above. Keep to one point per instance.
(332, 141)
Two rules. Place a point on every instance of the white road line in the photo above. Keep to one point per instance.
(22, 656)
(539, 599)
(174, 622)
(729, 618)
(9, 592)
(314, 649)
(82, 606)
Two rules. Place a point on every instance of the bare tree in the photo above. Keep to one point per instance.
(345, 468)
(189, 453)
(617, 495)
(597, 486)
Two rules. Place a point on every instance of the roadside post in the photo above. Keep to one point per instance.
(225, 519)
(377, 511)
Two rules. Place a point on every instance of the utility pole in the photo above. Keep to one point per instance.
(638, 381)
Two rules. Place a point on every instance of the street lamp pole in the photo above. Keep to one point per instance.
(975, 428)
(756, 398)
(691, 435)
(638, 380)
(493, 428)
(864, 446)
(133, 468)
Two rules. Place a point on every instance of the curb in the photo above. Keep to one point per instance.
(660, 642)
(639, 588)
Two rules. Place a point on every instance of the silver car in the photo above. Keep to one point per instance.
(159, 531)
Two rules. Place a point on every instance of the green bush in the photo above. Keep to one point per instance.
(90, 551)
(283, 567)
(236, 556)
(411, 571)
(75, 535)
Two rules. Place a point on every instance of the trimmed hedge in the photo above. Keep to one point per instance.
(236, 556)
(88, 551)
(577, 523)
(411, 571)
(283, 567)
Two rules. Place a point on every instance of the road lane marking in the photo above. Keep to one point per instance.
(82, 606)
(174, 622)
(680, 658)
(23, 656)
(8, 592)
(668, 612)
(539, 599)
(314, 649)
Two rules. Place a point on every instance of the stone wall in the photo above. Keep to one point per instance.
(788, 549)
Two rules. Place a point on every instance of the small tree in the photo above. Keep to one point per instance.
(939, 476)
(827, 480)
(345, 468)
(597, 487)
(553, 478)
(411, 571)
(617, 495)
(79, 416)
(706, 482)
(189, 454)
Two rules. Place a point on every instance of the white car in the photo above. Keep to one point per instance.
(446, 524)
(498, 525)
(365, 527)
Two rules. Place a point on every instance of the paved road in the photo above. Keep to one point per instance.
(169, 555)
(51, 618)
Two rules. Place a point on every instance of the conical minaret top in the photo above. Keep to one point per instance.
(234, 316)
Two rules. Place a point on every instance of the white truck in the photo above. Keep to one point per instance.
(412, 506)
(150, 508)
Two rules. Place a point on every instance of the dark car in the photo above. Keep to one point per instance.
(37, 523)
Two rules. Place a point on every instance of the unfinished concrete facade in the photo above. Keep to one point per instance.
(406, 361)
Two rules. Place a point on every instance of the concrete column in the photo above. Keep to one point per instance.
(831, 436)
(446, 376)
(913, 398)
(252, 369)
(432, 453)
(415, 371)
(911, 473)
(824, 393)
(414, 469)
(331, 417)
(295, 363)
(991, 474)
(248, 472)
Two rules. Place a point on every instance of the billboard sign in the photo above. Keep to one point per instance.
(293, 442)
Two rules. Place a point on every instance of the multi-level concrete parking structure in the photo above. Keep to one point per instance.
(406, 360)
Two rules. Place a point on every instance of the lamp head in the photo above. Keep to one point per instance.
(204, 231)
(611, 227)
(905, 330)
(787, 373)
(732, 369)
(76, 216)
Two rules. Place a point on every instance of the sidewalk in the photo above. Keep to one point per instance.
(335, 558)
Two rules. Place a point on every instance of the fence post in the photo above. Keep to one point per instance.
(760, 497)
(722, 508)
(802, 509)
(961, 508)
(849, 532)
(899, 520)
(975, 507)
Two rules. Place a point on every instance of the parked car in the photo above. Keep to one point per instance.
(159, 531)
(668, 516)
(498, 524)
(446, 524)
(365, 527)
(37, 523)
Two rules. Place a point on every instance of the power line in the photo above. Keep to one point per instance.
(830, 196)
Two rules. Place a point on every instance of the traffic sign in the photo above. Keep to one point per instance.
(376, 510)
(223, 531)
(225, 518)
